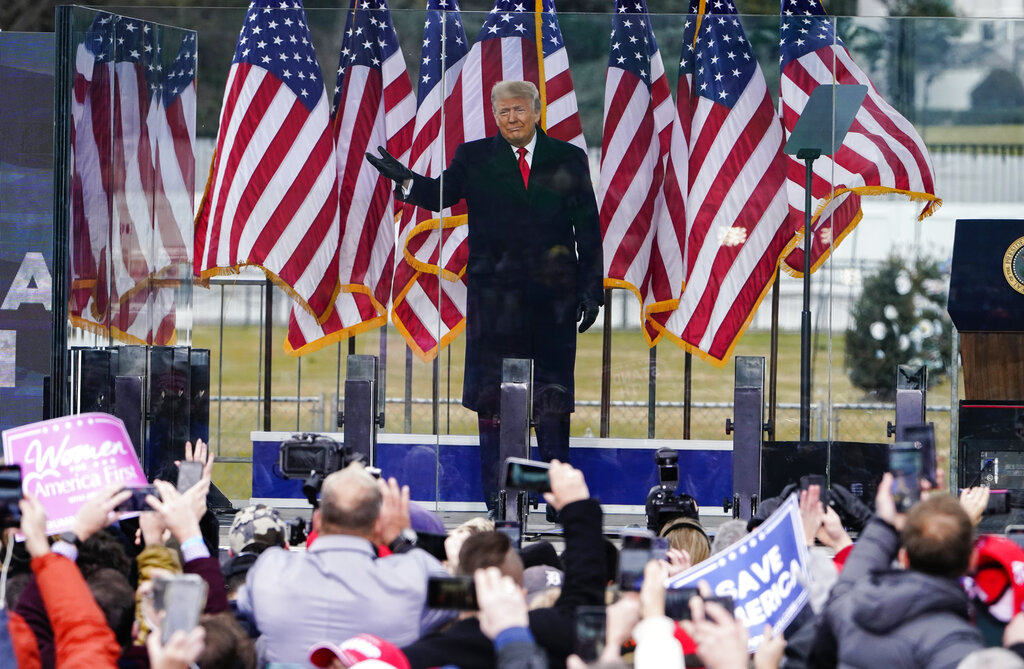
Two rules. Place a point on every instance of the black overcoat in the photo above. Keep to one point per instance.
(534, 254)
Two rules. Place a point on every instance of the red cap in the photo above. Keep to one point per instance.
(363, 650)
(998, 581)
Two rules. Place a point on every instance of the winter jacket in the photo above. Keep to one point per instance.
(81, 635)
(880, 617)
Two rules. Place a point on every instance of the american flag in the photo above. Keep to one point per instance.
(513, 44)
(882, 153)
(736, 209)
(428, 303)
(149, 315)
(91, 122)
(641, 194)
(272, 197)
(126, 254)
(173, 126)
(374, 106)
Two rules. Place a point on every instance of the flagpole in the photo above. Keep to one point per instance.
(268, 324)
(652, 390)
(687, 392)
(773, 374)
(606, 365)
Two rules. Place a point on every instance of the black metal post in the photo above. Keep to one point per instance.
(687, 392)
(773, 375)
(808, 156)
(268, 326)
(57, 401)
(652, 391)
(606, 366)
(408, 391)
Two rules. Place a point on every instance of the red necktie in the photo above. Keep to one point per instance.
(524, 167)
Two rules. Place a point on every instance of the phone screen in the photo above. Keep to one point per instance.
(677, 602)
(511, 529)
(189, 474)
(10, 495)
(905, 464)
(455, 592)
(529, 475)
(179, 601)
(818, 480)
(633, 557)
(924, 437)
(137, 502)
(590, 632)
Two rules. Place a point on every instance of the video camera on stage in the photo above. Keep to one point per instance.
(311, 457)
(664, 504)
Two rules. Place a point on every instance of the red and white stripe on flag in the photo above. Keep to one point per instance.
(882, 153)
(643, 171)
(374, 106)
(428, 302)
(272, 196)
(737, 215)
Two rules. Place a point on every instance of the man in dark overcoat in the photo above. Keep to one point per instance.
(534, 266)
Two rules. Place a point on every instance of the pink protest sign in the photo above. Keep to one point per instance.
(65, 460)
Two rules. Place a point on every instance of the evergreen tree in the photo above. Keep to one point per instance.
(900, 318)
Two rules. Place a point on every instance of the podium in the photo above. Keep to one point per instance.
(986, 304)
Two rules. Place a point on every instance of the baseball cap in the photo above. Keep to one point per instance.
(363, 650)
(540, 578)
(998, 581)
(257, 524)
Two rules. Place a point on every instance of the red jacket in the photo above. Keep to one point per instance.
(81, 635)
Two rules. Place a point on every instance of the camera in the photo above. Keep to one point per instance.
(311, 457)
(663, 503)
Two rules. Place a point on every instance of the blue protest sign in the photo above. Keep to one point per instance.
(765, 573)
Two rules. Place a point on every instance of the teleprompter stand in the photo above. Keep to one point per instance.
(516, 412)
(364, 407)
(747, 427)
(819, 132)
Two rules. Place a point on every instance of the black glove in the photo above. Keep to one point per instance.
(389, 166)
(854, 513)
(586, 313)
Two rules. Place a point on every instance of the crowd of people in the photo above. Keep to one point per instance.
(916, 589)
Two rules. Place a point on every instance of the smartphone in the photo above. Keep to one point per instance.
(590, 632)
(522, 474)
(454, 592)
(189, 474)
(430, 542)
(633, 557)
(818, 480)
(677, 602)
(10, 495)
(659, 548)
(1016, 533)
(924, 435)
(137, 502)
(906, 463)
(179, 601)
(511, 529)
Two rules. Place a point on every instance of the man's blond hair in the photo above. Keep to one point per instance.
(506, 90)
